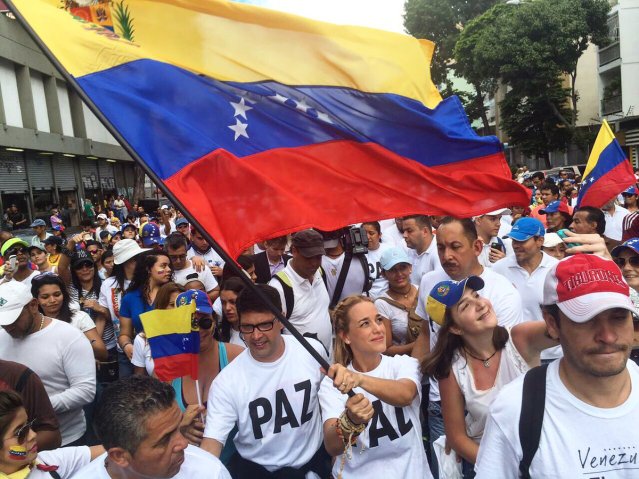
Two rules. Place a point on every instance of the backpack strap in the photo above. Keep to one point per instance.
(341, 280)
(22, 380)
(287, 287)
(533, 402)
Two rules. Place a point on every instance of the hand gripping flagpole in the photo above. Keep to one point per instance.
(131, 151)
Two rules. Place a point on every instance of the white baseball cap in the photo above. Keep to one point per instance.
(14, 296)
(126, 249)
(502, 211)
(102, 216)
(551, 240)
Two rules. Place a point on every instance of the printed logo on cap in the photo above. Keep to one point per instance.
(3, 301)
(443, 290)
(573, 283)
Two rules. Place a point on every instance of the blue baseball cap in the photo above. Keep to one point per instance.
(631, 244)
(38, 222)
(630, 191)
(554, 207)
(393, 256)
(202, 301)
(151, 235)
(128, 225)
(447, 294)
(526, 228)
(181, 221)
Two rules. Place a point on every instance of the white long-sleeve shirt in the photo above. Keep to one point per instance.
(63, 359)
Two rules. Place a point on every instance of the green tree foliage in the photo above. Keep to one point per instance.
(533, 49)
(442, 21)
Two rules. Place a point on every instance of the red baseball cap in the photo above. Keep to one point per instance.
(584, 285)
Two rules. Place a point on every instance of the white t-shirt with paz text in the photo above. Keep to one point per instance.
(578, 441)
(274, 405)
(392, 441)
(380, 284)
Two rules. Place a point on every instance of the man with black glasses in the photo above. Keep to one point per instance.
(270, 392)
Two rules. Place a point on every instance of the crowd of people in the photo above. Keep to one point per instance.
(494, 346)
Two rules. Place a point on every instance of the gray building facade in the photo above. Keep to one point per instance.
(53, 150)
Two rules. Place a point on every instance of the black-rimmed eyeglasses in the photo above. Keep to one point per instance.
(249, 328)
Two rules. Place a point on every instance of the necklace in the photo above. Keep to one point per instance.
(41, 322)
(486, 361)
(399, 293)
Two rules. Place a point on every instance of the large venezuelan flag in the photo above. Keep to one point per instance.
(608, 171)
(174, 340)
(263, 123)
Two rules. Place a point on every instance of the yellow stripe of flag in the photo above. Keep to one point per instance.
(604, 138)
(160, 322)
(237, 42)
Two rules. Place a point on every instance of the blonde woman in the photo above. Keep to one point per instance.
(381, 420)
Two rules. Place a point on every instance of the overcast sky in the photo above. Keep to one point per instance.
(382, 14)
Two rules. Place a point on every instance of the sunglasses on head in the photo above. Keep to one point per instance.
(15, 251)
(42, 276)
(23, 432)
(621, 262)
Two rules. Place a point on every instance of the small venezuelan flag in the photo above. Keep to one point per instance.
(174, 339)
(608, 171)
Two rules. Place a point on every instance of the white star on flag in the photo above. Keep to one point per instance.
(302, 105)
(279, 98)
(592, 179)
(241, 108)
(324, 117)
(239, 128)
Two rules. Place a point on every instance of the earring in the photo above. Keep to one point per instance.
(347, 341)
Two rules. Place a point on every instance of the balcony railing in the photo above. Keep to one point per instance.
(611, 105)
(609, 54)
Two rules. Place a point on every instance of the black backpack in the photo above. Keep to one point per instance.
(531, 419)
